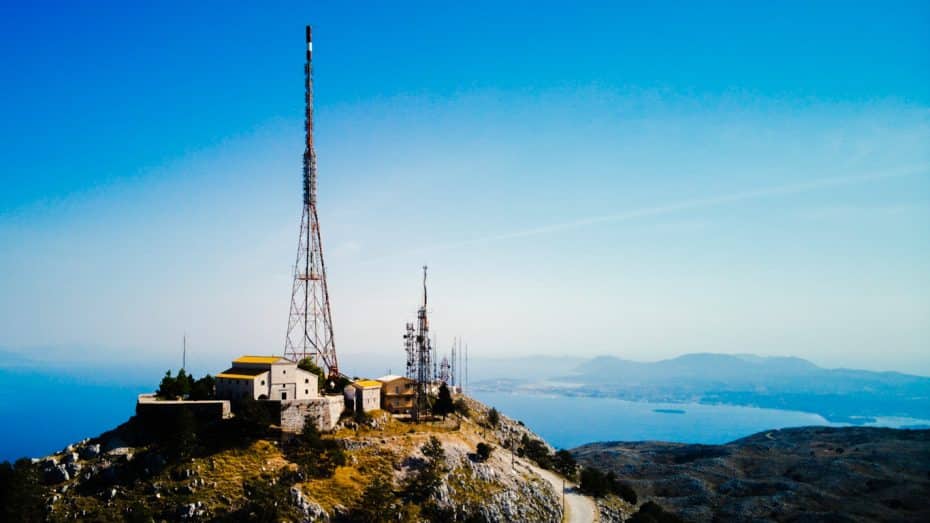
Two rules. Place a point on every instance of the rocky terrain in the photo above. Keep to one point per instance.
(803, 474)
(256, 473)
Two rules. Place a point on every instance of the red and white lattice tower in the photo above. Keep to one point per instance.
(310, 325)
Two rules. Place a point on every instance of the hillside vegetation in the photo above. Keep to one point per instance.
(372, 468)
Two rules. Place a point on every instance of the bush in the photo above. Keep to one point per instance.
(593, 482)
(564, 463)
(252, 417)
(266, 497)
(484, 451)
(316, 456)
(597, 484)
(650, 512)
(535, 450)
(461, 406)
(494, 417)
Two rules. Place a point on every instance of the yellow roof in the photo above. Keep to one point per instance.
(235, 376)
(367, 383)
(257, 359)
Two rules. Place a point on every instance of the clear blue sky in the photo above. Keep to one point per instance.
(639, 179)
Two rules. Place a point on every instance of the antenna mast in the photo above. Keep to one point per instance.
(310, 325)
(423, 351)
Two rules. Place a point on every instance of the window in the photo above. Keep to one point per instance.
(283, 395)
(263, 382)
(284, 371)
(306, 391)
(306, 380)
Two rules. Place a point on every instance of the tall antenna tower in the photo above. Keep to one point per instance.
(424, 366)
(310, 326)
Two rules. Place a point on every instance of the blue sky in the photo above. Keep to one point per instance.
(636, 179)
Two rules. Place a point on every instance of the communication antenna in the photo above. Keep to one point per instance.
(184, 352)
(310, 324)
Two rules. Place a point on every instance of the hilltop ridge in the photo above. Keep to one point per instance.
(238, 471)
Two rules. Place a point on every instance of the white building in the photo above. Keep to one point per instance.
(265, 378)
(363, 395)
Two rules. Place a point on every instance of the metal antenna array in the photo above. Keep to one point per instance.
(454, 367)
(310, 326)
(445, 371)
(424, 353)
(410, 347)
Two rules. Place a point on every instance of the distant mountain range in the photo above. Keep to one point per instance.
(840, 395)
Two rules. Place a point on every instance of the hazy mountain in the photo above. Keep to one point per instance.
(855, 396)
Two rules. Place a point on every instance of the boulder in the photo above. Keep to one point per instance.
(55, 474)
(90, 451)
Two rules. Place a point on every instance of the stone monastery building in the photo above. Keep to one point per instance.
(265, 378)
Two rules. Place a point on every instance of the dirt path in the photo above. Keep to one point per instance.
(578, 507)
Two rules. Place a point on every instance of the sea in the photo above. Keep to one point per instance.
(570, 421)
(42, 413)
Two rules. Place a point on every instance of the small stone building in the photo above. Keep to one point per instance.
(398, 394)
(363, 395)
(265, 378)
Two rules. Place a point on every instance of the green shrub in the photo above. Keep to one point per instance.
(494, 417)
(461, 406)
(484, 451)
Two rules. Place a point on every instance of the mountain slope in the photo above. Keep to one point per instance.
(803, 474)
(241, 471)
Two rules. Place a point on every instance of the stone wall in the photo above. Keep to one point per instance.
(325, 410)
(151, 409)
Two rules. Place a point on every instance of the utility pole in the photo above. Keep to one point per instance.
(184, 352)
(310, 324)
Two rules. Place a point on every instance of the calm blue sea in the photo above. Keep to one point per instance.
(567, 422)
(42, 413)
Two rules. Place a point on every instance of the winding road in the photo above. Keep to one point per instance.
(578, 507)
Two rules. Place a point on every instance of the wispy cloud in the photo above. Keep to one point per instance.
(676, 207)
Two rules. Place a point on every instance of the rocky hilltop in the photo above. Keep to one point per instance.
(803, 474)
(372, 468)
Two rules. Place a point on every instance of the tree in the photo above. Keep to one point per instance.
(316, 456)
(308, 365)
(622, 490)
(168, 389)
(425, 481)
(204, 388)
(593, 482)
(377, 504)
(484, 451)
(443, 405)
(565, 464)
(494, 417)
(183, 386)
(252, 417)
(537, 451)
(20, 492)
